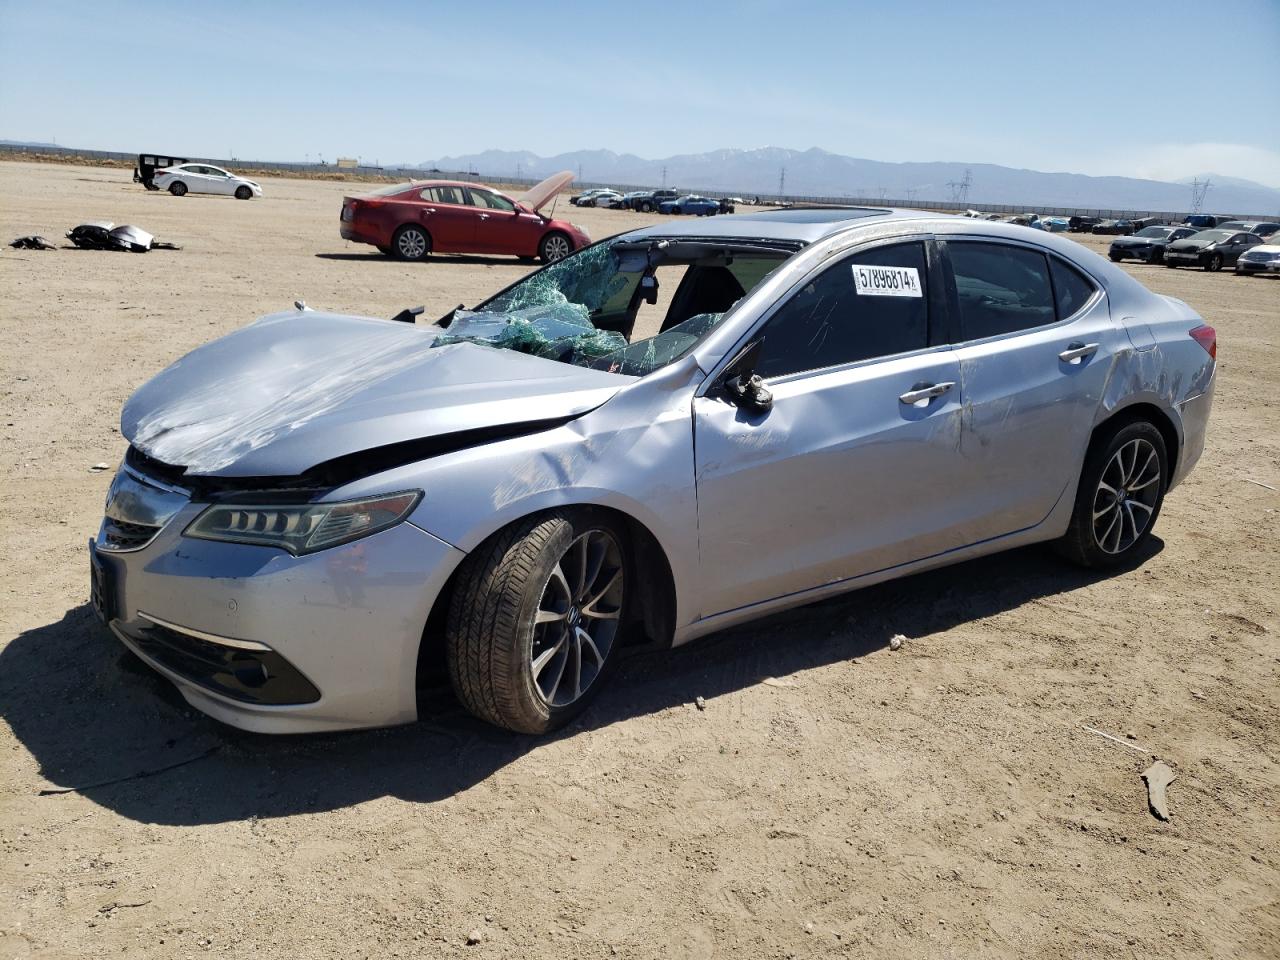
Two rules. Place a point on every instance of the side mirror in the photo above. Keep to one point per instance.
(649, 289)
(742, 385)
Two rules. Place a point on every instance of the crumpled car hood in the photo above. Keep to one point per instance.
(297, 389)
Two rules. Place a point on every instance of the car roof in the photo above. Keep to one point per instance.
(794, 224)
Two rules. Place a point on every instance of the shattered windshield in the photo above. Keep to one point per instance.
(587, 309)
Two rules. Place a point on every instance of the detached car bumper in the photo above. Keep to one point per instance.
(274, 643)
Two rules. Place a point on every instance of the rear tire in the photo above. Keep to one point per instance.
(178, 188)
(536, 618)
(1122, 487)
(410, 243)
(1115, 257)
(244, 193)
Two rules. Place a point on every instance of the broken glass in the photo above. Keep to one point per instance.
(645, 356)
(558, 331)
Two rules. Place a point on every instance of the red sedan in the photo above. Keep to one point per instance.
(412, 220)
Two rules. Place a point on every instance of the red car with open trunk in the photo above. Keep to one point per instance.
(409, 221)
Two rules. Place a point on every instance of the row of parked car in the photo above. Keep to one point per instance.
(1242, 244)
(656, 201)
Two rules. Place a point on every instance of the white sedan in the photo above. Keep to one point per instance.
(203, 178)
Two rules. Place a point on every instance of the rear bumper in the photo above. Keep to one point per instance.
(1195, 421)
(353, 232)
(273, 643)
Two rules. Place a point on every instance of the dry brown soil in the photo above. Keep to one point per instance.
(938, 801)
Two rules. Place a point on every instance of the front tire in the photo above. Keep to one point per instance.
(178, 188)
(554, 246)
(244, 193)
(1115, 257)
(536, 619)
(1121, 491)
(1214, 264)
(410, 243)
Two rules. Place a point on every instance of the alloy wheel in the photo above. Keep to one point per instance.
(412, 244)
(1127, 495)
(555, 248)
(577, 619)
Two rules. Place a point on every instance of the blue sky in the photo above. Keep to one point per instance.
(1082, 86)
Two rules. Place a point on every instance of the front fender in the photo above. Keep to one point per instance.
(634, 455)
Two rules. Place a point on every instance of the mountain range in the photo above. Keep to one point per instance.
(819, 173)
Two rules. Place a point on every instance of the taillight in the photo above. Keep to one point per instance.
(1207, 337)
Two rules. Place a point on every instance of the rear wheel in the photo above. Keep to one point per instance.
(243, 193)
(1115, 257)
(554, 246)
(178, 188)
(1214, 264)
(646, 207)
(1121, 490)
(410, 243)
(536, 619)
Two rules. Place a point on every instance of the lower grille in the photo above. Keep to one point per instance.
(119, 535)
(250, 676)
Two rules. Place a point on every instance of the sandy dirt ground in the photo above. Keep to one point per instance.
(834, 798)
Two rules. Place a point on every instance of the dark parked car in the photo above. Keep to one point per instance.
(1205, 221)
(1260, 228)
(148, 165)
(1210, 249)
(1114, 227)
(1082, 224)
(649, 202)
(1148, 244)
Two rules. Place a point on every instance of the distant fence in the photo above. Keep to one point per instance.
(418, 173)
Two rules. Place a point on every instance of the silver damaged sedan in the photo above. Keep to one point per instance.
(669, 432)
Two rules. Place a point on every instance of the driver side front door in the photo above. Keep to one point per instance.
(851, 470)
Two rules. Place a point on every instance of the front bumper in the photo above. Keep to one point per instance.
(1184, 258)
(273, 643)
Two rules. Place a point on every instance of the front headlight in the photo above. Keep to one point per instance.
(303, 527)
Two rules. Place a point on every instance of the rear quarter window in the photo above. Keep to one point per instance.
(1071, 288)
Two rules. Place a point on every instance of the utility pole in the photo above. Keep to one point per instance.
(518, 171)
(911, 194)
(579, 171)
(1198, 189)
(960, 188)
(782, 182)
(664, 176)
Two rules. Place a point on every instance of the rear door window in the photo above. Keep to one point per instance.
(444, 195)
(1000, 288)
(871, 304)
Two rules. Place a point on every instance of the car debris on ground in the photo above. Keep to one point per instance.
(107, 236)
(1157, 777)
(32, 242)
